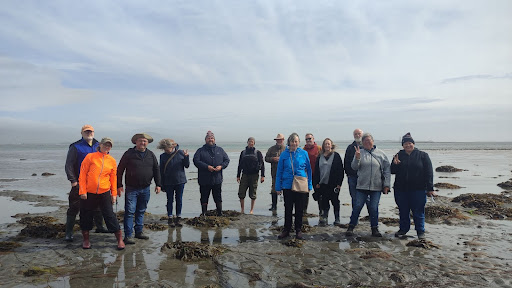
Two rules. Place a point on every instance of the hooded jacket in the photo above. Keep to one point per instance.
(174, 174)
(301, 167)
(250, 162)
(313, 152)
(98, 174)
(139, 171)
(210, 156)
(414, 172)
(349, 155)
(371, 168)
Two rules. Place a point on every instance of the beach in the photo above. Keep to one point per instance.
(469, 249)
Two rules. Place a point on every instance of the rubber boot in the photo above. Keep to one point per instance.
(337, 216)
(306, 203)
(98, 221)
(119, 237)
(219, 208)
(86, 244)
(274, 202)
(70, 223)
(204, 208)
(375, 232)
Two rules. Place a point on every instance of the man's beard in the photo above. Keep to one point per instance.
(358, 140)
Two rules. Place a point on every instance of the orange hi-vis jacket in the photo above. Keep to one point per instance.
(98, 174)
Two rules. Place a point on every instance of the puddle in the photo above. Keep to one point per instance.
(9, 208)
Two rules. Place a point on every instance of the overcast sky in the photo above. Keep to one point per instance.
(441, 70)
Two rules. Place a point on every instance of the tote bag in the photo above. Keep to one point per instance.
(300, 183)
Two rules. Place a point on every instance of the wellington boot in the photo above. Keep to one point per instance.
(219, 208)
(204, 209)
(120, 242)
(375, 232)
(86, 244)
(70, 224)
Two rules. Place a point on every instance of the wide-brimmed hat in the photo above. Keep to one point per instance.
(87, 127)
(107, 140)
(279, 137)
(141, 135)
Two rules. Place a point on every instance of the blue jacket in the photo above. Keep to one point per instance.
(76, 154)
(301, 167)
(174, 173)
(210, 156)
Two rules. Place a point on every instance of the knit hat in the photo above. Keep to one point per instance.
(209, 134)
(407, 138)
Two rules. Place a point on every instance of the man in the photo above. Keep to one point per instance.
(76, 154)
(351, 173)
(249, 164)
(272, 157)
(210, 160)
(141, 167)
(313, 151)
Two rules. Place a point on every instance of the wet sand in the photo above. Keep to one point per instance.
(473, 252)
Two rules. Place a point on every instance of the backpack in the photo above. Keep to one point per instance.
(250, 162)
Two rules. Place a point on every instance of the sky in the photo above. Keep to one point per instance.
(441, 70)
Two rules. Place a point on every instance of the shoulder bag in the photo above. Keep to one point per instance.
(300, 183)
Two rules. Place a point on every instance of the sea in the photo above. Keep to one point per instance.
(485, 165)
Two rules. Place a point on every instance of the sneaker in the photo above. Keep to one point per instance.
(141, 235)
(170, 222)
(128, 240)
(375, 232)
(350, 231)
(400, 233)
(421, 235)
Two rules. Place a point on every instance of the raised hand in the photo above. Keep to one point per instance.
(358, 152)
(185, 152)
(396, 161)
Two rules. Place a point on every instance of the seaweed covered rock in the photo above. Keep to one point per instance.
(446, 186)
(447, 168)
(47, 174)
(225, 213)
(37, 220)
(155, 226)
(384, 220)
(44, 231)
(294, 243)
(506, 184)
(8, 245)
(208, 221)
(492, 205)
(422, 243)
(305, 228)
(443, 212)
(190, 251)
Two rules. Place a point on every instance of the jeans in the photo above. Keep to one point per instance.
(414, 201)
(352, 184)
(136, 202)
(174, 191)
(373, 208)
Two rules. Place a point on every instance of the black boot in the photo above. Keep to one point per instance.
(350, 230)
(204, 208)
(375, 232)
(70, 223)
(337, 216)
(219, 208)
(177, 222)
(274, 202)
(98, 221)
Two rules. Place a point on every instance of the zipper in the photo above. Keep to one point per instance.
(99, 177)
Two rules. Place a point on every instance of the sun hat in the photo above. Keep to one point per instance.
(141, 135)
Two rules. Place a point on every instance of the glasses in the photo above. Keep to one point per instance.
(88, 131)
(309, 139)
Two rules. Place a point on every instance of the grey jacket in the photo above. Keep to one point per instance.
(370, 168)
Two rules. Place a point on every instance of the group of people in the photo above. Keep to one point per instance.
(96, 181)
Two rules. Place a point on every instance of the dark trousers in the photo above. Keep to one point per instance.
(216, 191)
(74, 206)
(291, 199)
(88, 207)
(328, 195)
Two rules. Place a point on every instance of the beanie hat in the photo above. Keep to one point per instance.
(407, 138)
(209, 134)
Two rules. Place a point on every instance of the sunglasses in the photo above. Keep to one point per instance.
(309, 139)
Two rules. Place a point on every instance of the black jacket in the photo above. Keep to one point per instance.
(139, 171)
(175, 171)
(251, 162)
(349, 155)
(336, 174)
(213, 156)
(414, 171)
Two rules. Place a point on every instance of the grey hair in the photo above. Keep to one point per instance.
(166, 143)
(251, 138)
(291, 137)
(366, 135)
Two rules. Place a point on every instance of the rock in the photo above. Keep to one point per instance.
(506, 184)
(34, 174)
(447, 186)
(47, 174)
(447, 168)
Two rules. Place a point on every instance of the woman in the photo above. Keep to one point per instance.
(414, 181)
(172, 170)
(98, 188)
(373, 178)
(327, 180)
(294, 161)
